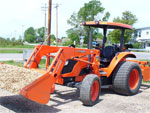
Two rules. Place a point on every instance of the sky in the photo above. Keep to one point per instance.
(18, 15)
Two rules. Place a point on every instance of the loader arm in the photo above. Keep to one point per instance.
(40, 90)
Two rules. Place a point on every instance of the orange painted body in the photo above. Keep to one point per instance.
(73, 64)
(110, 24)
(40, 90)
(116, 60)
(145, 67)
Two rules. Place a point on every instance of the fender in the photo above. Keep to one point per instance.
(117, 59)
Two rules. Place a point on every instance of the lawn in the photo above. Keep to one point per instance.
(10, 50)
(19, 46)
(15, 49)
(21, 64)
(11, 62)
(146, 82)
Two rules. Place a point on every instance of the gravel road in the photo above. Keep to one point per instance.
(66, 100)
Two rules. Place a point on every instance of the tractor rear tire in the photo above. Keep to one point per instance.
(90, 90)
(127, 78)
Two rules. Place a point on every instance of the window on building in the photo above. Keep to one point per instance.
(140, 33)
(136, 34)
(147, 33)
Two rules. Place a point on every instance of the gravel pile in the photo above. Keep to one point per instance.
(13, 78)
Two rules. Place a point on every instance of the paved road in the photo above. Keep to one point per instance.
(16, 57)
(19, 57)
(142, 55)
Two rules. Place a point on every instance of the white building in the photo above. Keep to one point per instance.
(143, 35)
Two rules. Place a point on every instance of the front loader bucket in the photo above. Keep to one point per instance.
(39, 90)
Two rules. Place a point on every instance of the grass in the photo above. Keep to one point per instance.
(146, 82)
(19, 46)
(11, 62)
(42, 64)
(15, 49)
(11, 51)
(21, 64)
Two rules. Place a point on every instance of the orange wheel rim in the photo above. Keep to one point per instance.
(134, 79)
(95, 90)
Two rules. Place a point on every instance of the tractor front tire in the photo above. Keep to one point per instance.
(90, 90)
(127, 78)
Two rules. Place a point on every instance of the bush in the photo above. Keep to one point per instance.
(137, 45)
(10, 43)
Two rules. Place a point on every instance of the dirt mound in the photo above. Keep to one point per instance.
(13, 78)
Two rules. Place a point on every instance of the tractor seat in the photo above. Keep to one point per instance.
(109, 52)
(107, 55)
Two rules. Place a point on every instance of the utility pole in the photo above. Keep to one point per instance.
(49, 23)
(57, 5)
(44, 8)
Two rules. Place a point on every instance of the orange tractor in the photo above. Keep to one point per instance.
(87, 69)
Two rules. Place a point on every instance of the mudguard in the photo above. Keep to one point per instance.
(117, 59)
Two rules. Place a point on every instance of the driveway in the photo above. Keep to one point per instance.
(66, 100)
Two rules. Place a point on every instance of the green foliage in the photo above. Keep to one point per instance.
(53, 38)
(145, 81)
(40, 32)
(137, 45)
(87, 13)
(3, 42)
(106, 17)
(90, 10)
(66, 42)
(30, 35)
(127, 18)
(9, 43)
(11, 51)
(30, 38)
(73, 35)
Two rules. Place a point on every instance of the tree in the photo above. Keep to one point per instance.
(89, 12)
(127, 18)
(53, 37)
(9, 43)
(30, 35)
(13, 39)
(41, 32)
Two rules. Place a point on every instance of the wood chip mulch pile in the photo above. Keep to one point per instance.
(13, 78)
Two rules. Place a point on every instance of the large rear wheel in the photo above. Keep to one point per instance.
(90, 90)
(127, 78)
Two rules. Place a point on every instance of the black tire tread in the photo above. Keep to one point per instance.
(85, 91)
(121, 76)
